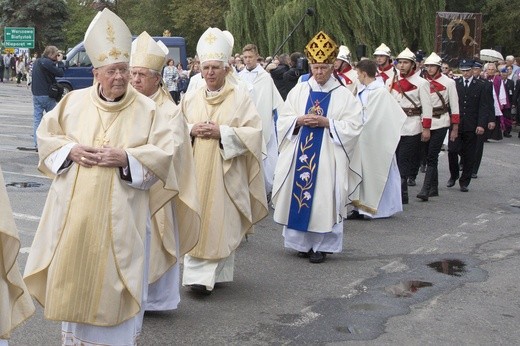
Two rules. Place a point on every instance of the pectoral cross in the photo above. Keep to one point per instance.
(101, 141)
(316, 108)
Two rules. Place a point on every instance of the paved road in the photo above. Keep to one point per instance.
(383, 289)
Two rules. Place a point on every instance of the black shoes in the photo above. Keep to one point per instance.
(355, 215)
(317, 257)
(464, 188)
(307, 254)
(411, 181)
(507, 135)
(314, 257)
(474, 176)
(423, 195)
(451, 182)
(200, 289)
(422, 169)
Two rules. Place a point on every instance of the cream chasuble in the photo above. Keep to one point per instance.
(229, 179)
(15, 302)
(86, 261)
(338, 175)
(182, 202)
(377, 143)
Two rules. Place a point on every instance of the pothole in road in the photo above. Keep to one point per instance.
(452, 267)
(27, 184)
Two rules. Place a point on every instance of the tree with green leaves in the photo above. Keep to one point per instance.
(190, 18)
(398, 23)
(48, 18)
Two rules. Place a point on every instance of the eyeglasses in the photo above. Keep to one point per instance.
(113, 71)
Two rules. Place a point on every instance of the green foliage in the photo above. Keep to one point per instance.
(501, 26)
(190, 18)
(48, 18)
(398, 23)
(81, 13)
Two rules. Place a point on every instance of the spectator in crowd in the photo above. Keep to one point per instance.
(445, 68)
(12, 67)
(239, 63)
(293, 74)
(510, 62)
(21, 71)
(171, 77)
(44, 73)
(509, 86)
(7, 64)
(278, 72)
(1, 68)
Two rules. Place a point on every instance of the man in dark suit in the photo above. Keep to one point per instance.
(474, 108)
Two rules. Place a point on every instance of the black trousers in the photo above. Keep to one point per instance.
(465, 146)
(434, 146)
(408, 155)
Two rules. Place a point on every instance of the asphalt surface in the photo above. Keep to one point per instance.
(387, 287)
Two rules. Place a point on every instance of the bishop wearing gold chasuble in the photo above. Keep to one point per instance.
(15, 301)
(104, 146)
(318, 129)
(175, 212)
(226, 131)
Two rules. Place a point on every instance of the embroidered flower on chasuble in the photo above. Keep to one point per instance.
(306, 181)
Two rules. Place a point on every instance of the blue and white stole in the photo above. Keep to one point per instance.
(307, 162)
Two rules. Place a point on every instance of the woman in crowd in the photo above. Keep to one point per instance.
(171, 76)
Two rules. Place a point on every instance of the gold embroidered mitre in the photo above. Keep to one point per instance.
(321, 49)
(148, 53)
(215, 44)
(107, 39)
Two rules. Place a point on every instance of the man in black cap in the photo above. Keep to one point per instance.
(474, 107)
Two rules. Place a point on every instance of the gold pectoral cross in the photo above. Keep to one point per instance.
(101, 141)
(316, 108)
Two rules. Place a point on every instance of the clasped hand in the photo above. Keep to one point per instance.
(312, 120)
(206, 130)
(105, 156)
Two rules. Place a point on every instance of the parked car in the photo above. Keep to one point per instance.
(78, 72)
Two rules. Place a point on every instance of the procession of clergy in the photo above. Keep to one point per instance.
(139, 182)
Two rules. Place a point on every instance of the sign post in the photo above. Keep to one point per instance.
(19, 37)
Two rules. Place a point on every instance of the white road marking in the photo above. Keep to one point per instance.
(26, 217)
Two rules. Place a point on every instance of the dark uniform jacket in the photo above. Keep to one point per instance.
(475, 104)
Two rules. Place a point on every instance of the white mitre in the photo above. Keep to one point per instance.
(148, 53)
(215, 44)
(107, 39)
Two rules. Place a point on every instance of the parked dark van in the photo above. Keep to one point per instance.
(78, 72)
